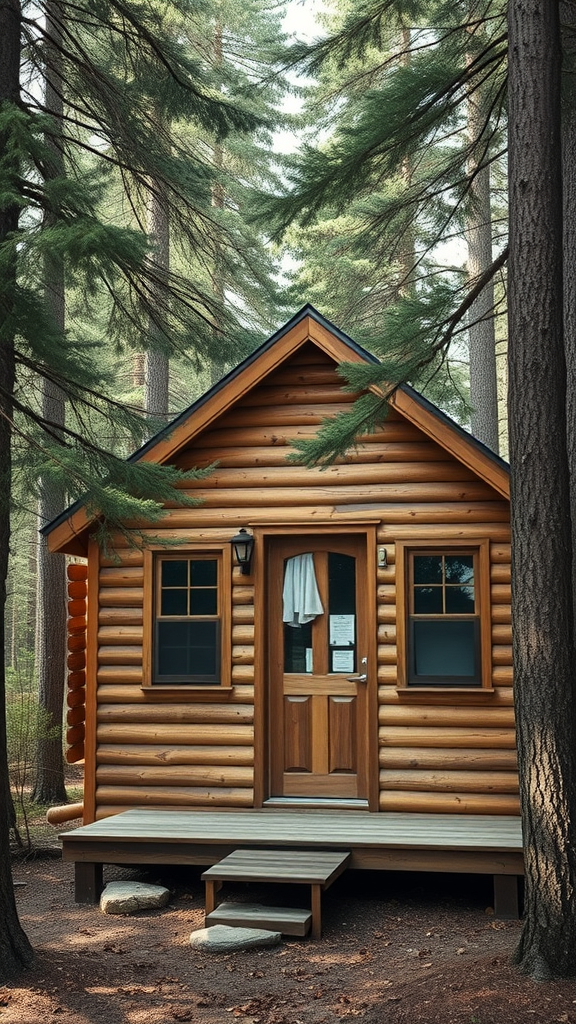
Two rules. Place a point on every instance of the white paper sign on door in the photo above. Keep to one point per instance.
(342, 661)
(342, 630)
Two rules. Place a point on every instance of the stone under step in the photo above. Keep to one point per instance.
(288, 920)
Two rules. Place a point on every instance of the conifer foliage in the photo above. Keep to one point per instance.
(520, 62)
(126, 78)
(388, 191)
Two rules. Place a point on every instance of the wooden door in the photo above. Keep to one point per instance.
(318, 672)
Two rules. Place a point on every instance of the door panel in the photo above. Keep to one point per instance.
(318, 725)
(343, 734)
(297, 734)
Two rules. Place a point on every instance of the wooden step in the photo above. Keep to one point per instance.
(316, 868)
(288, 920)
(311, 867)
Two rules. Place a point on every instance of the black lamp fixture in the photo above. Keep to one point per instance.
(243, 544)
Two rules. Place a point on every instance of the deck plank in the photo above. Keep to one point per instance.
(382, 842)
(312, 828)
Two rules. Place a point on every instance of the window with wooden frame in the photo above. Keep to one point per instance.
(443, 615)
(188, 619)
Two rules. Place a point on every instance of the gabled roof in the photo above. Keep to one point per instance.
(306, 325)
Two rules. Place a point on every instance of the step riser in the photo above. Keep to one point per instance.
(289, 921)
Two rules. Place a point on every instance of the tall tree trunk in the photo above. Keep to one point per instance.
(157, 365)
(15, 950)
(542, 617)
(407, 254)
(218, 288)
(49, 784)
(568, 20)
(218, 200)
(481, 333)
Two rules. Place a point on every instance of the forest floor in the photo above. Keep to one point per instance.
(396, 949)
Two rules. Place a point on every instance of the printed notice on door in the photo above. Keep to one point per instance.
(342, 630)
(342, 661)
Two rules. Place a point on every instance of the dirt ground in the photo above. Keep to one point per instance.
(395, 949)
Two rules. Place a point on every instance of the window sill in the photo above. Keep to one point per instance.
(187, 693)
(445, 694)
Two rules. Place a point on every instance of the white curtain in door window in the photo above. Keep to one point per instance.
(300, 596)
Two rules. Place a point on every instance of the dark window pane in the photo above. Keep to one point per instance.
(173, 648)
(459, 569)
(187, 649)
(427, 600)
(427, 568)
(204, 572)
(445, 649)
(297, 640)
(174, 602)
(460, 600)
(203, 602)
(174, 573)
(341, 584)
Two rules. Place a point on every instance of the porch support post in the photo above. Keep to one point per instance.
(506, 902)
(88, 882)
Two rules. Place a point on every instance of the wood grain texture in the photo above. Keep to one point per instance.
(174, 796)
(449, 803)
(312, 829)
(169, 754)
(150, 776)
(176, 733)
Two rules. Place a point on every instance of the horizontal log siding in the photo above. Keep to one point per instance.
(444, 755)
(160, 749)
(439, 752)
(77, 576)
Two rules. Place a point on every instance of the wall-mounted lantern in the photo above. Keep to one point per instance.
(243, 544)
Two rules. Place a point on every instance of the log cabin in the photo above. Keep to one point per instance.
(330, 644)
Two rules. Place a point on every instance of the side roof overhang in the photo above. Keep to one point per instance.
(69, 532)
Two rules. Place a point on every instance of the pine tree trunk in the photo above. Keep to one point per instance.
(407, 253)
(218, 199)
(542, 617)
(218, 290)
(15, 950)
(156, 371)
(49, 787)
(482, 338)
(568, 21)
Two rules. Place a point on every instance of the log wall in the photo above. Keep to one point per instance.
(445, 753)
(76, 662)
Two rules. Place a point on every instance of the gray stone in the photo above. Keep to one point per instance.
(130, 897)
(222, 939)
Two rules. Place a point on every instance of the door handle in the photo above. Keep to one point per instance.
(363, 678)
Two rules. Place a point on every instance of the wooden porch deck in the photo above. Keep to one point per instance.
(478, 844)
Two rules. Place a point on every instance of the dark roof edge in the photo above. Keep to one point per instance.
(307, 310)
(445, 418)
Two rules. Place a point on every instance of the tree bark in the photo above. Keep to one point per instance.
(15, 950)
(568, 30)
(542, 617)
(49, 784)
(482, 338)
(218, 201)
(156, 372)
